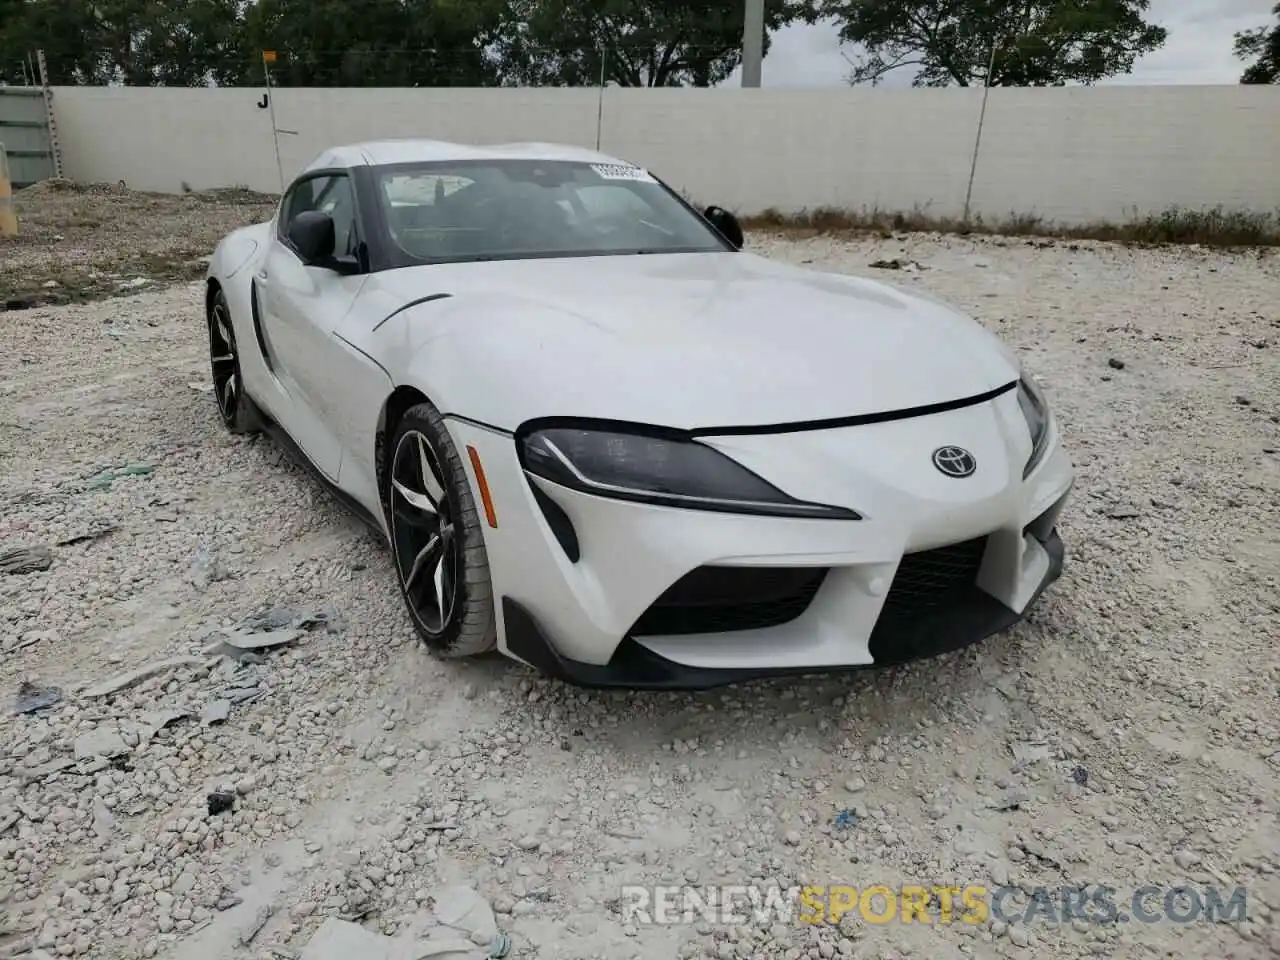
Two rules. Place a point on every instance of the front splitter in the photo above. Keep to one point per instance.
(634, 666)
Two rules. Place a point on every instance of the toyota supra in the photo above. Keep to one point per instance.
(601, 437)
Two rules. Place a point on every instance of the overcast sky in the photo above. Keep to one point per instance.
(1198, 49)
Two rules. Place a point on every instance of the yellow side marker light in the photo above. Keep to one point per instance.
(483, 484)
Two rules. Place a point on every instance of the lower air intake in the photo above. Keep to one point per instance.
(932, 577)
(720, 599)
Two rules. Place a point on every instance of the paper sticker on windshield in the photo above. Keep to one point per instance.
(621, 171)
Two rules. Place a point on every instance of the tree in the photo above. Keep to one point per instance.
(1037, 43)
(160, 43)
(199, 42)
(1262, 46)
(638, 43)
(368, 43)
(64, 28)
(384, 42)
(138, 42)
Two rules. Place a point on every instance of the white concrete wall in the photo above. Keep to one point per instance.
(1070, 154)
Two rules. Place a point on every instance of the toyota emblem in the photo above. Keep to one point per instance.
(954, 461)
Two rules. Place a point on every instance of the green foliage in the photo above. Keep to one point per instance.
(635, 43)
(140, 42)
(1036, 42)
(1262, 46)
(23, 26)
(376, 43)
(382, 42)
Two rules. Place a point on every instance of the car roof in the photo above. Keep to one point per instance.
(379, 152)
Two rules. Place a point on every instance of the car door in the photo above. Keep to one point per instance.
(302, 305)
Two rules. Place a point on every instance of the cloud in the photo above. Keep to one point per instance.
(1198, 50)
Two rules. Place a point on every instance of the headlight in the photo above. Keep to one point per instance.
(1036, 411)
(661, 470)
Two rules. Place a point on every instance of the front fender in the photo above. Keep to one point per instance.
(471, 356)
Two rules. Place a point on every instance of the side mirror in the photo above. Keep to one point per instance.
(726, 224)
(313, 236)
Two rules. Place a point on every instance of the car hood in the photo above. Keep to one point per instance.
(680, 340)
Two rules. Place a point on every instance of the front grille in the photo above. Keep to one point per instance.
(932, 593)
(931, 578)
(719, 599)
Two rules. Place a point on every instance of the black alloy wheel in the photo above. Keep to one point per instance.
(424, 534)
(436, 538)
(239, 415)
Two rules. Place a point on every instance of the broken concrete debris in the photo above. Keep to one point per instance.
(241, 641)
(281, 618)
(19, 560)
(464, 909)
(95, 530)
(342, 940)
(1027, 752)
(124, 681)
(149, 724)
(337, 940)
(238, 650)
(43, 770)
(102, 742)
(459, 924)
(216, 711)
(32, 697)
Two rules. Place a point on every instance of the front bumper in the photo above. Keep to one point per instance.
(634, 666)
(640, 596)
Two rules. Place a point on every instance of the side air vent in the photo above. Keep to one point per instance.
(561, 525)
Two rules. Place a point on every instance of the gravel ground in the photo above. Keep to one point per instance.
(81, 242)
(1127, 734)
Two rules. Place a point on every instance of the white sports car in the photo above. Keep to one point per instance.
(602, 439)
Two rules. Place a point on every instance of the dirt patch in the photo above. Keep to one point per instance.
(1218, 227)
(78, 243)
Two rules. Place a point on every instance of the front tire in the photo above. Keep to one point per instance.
(237, 410)
(436, 538)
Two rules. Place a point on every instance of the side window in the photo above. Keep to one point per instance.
(298, 198)
(333, 195)
(337, 198)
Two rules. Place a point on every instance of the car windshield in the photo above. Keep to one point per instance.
(514, 209)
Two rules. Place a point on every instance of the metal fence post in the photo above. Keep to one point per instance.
(977, 140)
(268, 56)
(604, 52)
(55, 149)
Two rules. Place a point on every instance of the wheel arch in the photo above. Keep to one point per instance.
(401, 399)
(211, 288)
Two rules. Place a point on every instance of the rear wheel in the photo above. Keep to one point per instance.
(239, 415)
(437, 539)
